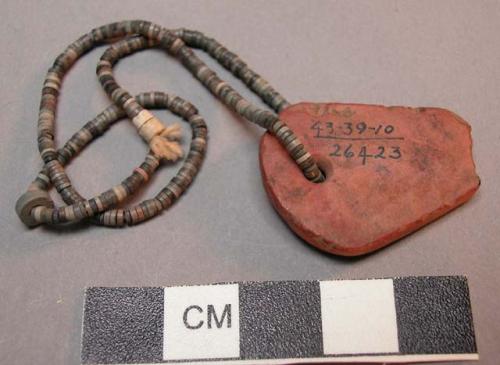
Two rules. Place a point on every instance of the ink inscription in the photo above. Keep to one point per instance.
(360, 140)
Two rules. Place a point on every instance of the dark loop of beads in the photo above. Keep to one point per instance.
(100, 207)
(35, 206)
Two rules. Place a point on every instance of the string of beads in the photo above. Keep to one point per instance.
(127, 37)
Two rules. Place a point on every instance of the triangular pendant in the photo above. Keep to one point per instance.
(389, 171)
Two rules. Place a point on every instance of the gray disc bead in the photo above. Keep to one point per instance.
(29, 200)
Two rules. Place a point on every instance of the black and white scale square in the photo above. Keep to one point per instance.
(280, 320)
(380, 320)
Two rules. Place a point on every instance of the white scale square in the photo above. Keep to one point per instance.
(358, 317)
(201, 322)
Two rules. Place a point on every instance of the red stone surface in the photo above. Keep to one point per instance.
(390, 171)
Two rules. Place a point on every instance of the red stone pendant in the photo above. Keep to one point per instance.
(389, 171)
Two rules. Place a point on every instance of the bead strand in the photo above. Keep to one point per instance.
(128, 37)
(98, 206)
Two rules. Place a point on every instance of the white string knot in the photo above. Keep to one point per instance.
(162, 140)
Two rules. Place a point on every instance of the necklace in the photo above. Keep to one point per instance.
(285, 157)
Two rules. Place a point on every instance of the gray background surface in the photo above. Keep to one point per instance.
(416, 53)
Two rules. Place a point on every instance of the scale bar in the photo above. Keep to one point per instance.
(403, 319)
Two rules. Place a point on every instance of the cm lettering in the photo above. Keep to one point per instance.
(194, 317)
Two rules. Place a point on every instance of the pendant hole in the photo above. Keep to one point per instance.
(325, 166)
